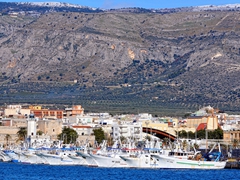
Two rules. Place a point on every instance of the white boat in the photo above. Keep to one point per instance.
(110, 159)
(142, 159)
(16, 156)
(109, 156)
(57, 157)
(89, 159)
(4, 157)
(210, 161)
(33, 158)
(78, 160)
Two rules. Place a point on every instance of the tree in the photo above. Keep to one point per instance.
(7, 138)
(39, 132)
(22, 133)
(191, 135)
(218, 134)
(182, 134)
(201, 134)
(99, 135)
(68, 135)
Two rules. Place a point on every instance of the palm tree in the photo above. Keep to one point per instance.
(7, 138)
(22, 133)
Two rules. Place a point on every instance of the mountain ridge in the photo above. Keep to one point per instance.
(122, 61)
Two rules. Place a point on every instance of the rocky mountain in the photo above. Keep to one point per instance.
(164, 61)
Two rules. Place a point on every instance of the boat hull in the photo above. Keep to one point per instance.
(171, 162)
(144, 161)
(105, 161)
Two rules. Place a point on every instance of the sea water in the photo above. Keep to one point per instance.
(11, 171)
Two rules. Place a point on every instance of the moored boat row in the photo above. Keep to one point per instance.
(115, 157)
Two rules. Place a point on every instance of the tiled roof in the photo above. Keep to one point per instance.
(201, 126)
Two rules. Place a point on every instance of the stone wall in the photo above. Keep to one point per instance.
(12, 131)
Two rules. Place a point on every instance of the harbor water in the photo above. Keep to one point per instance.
(12, 171)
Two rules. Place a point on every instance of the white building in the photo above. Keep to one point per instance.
(84, 119)
(144, 117)
(83, 130)
(13, 110)
(130, 130)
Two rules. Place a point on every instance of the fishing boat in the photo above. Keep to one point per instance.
(4, 157)
(182, 160)
(142, 158)
(57, 156)
(109, 156)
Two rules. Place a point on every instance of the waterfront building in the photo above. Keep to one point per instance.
(85, 134)
(128, 130)
(206, 115)
(231, 128)
(231, 135)
(83, 130)
(84, 119)
(48, 114)
(50, 127)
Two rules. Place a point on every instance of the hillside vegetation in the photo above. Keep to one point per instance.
(162, 63)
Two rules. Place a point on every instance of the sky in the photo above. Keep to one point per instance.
(149, 4)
